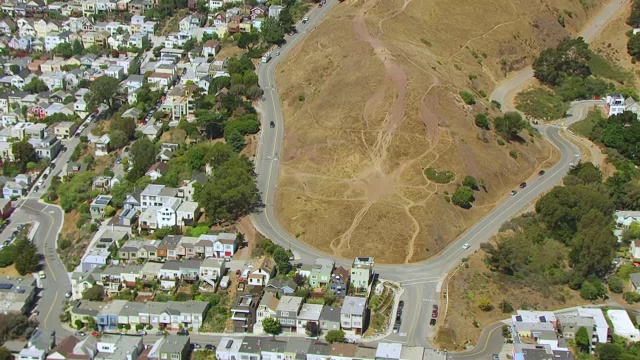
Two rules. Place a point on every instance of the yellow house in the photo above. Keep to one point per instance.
(84, 310)
(245, 27)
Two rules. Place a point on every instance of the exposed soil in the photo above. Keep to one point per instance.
(381, 83)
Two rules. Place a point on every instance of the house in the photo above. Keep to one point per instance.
(264, 270)
(117, 347)
(251, 348)
(7, 26)
(274, 10)
(5, 208)
(614, 104)
(98, 206)
(81, 281)
(210, 48)
(157, 170)
(309, 313)
(622, 325)
(228, 349)
(17, 295)
(259, 11)
(114, 71)
(225, 245)
(635, 249)
(321, 272)
(75, 348)
(186, 247)
(187, 213)
(272, 349)
(172, 347)
(634, 279)
(281, 286)
(287, 312)
(212, 269)
(63, 130)
(330, 318)
(353, 314)
(267, 308)
(243, 312)
(538, 351)
(339, 283)
(17, 188)
(102, 145)
(151, 131)
(361, 273)
(601, 328)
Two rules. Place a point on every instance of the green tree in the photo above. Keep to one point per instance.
(484, 304)
(103, 90)
(248, 41)
(94, 293)
(78, 324)
(235, 139)
(633, 46)
(569, 58)
(608, 351)
(471, 182)
(335, 336)
(117, 139)
(482, 121)
(143, 155)
(582, 339)
(593, 247)
(35, 86)
(509, 125)
(91, 323)
(126, 125)
(285, 19)
(271, 326)
(23, 152)
(616, 284)
(15, 69)
(26, 260)
(463, 197)
(5, 354)
(272, 32)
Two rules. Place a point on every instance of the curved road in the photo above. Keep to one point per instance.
(422, 281)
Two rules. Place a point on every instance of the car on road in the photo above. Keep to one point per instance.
(35, 313)
(183, 332)
(466, 246)
(141, 332)
(434, 314)
(496, 357)
(513, 192)
(432, 322)
(396, 329)
(541, 172)
(52, 166)
(67, 294)
(320, 5)
(119, 160)
(36, 188)
(160, 333)
(209, 347)
(80, 333)
(41, 274)
(401, 304)
(523, 185)
(277, 53)
(305, 19)
(272, 124)
(571, 164)
(196, 346)
(435, 307)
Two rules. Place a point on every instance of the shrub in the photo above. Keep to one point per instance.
(513, 154)
(616, 284)
(468, 97)
(440, 177)
(485, 304)
(463, 197)
(496, 104)
(471, 182)
(482, 121)
(506, 307)
(631, 297)
(301, 98)
(500, 142)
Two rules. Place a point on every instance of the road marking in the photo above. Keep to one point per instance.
(486, 344)
(439, 286)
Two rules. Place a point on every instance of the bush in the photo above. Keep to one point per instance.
(616, 284)
(506, 307)
(335, 336)
(468, 97)
(484, 304)
(541, 104)
(440, 177)
(631, 297)
(482, 121)
(513, 154)
(301, 98)
(463, 197)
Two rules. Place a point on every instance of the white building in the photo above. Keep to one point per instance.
(601, 327)
(614, 104)
(622, 325)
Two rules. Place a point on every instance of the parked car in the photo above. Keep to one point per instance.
(210, 347)
(432, 322)
(401, 304)
(523, 185)
(541, 172)
(435, 307)
(513, 192)
(80, 333)
(142, 332)
(183, 332)
(67, 294)
(272, 124)
(434, 314)
(496, 357)
(160, 333)
(466, 246)
(196, 346)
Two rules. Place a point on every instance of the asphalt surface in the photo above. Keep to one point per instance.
(422, 281)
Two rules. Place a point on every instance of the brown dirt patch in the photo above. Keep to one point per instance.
(76, 239)
(245, 227)
(457, 331)
(381, 81)
(9, 271)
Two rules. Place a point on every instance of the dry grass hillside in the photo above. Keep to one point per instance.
(371, 99)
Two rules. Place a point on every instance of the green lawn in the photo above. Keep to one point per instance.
(584, 127)
(603, 68)
(541, 104)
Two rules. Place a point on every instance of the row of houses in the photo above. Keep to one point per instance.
(171, 247)
(172, 315)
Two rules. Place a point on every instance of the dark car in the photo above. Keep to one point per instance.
(401, 304)
(541, 172)
(272, 124)
(210, 347)
(432, 322)
(434, 314)
(183, 332)
(523, 185)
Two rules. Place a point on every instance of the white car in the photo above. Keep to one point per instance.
(466, 246)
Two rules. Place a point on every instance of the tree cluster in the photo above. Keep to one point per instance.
(76, 191)
(27, 259)
(566, 69)
(572, 225)
(509, 125)
(16, 326)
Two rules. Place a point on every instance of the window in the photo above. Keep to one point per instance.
(284, 314)
(175, 356)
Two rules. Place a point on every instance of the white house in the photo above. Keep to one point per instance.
(308, 313)
(225, 245)
(228, 349)
(622, 325)
(166, 214)
(614, 104)
(352, 314)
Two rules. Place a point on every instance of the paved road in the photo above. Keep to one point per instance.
(422, 281)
